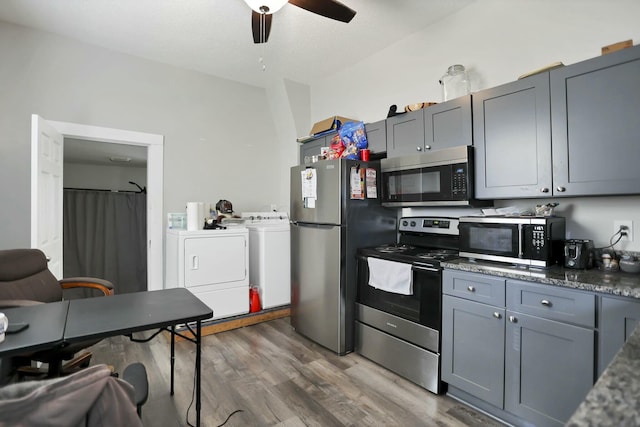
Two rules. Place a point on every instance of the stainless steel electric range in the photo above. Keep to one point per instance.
(399, 299)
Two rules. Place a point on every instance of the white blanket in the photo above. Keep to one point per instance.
(390, 276)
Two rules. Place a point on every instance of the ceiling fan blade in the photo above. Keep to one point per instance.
(260, 26)
(328, 8)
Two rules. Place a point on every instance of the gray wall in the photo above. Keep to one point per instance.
(497, 40)
(219, 135)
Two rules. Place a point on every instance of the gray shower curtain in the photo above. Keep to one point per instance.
(105, 236)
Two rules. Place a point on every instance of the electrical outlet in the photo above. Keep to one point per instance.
(629, 229)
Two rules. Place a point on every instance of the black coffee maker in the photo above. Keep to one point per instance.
(578, 253)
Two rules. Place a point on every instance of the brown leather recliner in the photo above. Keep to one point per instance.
(25, 279)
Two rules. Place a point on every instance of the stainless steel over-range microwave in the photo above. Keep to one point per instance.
(437, 178)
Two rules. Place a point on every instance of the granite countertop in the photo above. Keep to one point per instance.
(615, 398)
(606, 282)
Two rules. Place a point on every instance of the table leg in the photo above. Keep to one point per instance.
(173, 354)
(198, 370)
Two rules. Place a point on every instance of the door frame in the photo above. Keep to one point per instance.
(155, 173)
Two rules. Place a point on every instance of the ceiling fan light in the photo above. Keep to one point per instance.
(266, 6)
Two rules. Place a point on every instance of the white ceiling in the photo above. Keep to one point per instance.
(103, 153)
(214, 37)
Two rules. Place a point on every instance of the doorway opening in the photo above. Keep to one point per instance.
(105, 212)
(154, 173)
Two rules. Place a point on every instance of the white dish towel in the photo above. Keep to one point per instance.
(390, 276)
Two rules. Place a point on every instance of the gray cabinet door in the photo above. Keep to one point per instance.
(377, 136)
(448, 124)
(512, 139)
(618, 318)
(405, 134)
(596, 131)
(549, 368)
(312, 148)
(473, 348)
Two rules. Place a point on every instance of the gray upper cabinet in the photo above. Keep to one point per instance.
(595, 126)
(376, 136)
(312, 148)
(512, 139)
(583, 116)
(448, 124)
(443, 125)
(618, 318)
(405, 134)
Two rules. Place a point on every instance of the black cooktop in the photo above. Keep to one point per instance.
(409, 253)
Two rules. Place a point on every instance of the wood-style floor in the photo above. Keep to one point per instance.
(279, 378)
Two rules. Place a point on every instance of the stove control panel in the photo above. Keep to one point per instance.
(430, 225)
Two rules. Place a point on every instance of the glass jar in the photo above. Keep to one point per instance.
(455, 82)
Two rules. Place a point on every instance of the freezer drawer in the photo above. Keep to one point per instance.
(317, 306)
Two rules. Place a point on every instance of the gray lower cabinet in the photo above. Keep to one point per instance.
(473, 322)
(512, 139)
(531, 357)
(473, 348)
(548, 368)
(376, 136)
(618, 318)
(595, 126)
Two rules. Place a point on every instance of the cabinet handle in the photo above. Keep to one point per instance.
(513, 319)
(427, 147)
(544, 190)
(471, 288)
(419, 148)
(546, 303)
(497, 315)
(194, 262)
(561, 189)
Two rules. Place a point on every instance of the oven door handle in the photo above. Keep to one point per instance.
(424, 268)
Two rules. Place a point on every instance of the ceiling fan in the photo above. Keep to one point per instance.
(262, 11)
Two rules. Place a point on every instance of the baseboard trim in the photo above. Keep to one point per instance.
(235, 322)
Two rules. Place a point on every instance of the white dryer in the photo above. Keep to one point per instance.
(213, 265)
(270, 256)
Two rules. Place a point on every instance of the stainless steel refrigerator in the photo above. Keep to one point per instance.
(328, 224)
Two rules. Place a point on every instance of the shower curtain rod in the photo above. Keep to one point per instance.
(102, 189)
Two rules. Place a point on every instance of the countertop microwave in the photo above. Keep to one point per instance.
(522, 240)
(437, 178)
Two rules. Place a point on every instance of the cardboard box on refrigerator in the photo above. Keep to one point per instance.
(332, 123)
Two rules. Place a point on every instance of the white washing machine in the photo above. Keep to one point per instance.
(270, 256)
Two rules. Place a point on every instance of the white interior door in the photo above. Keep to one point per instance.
(47, 158)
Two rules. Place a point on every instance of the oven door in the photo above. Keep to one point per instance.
(423, 307)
